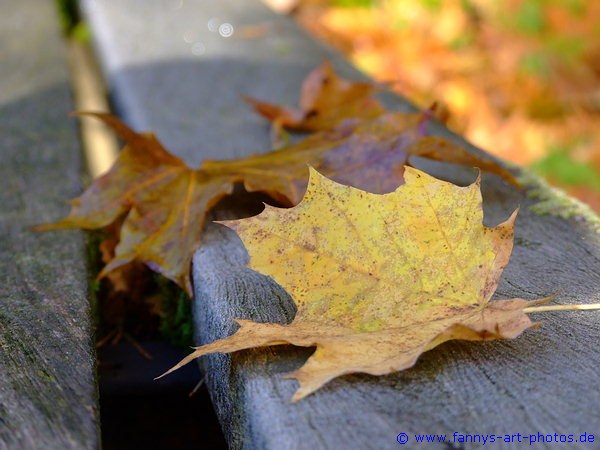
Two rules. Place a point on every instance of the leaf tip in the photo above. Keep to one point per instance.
(51, 226)
(43, 227)
(197, 353)
(477, 181)
(412, 174)
(302, 390)
(313, 173)
(315, 179)
(513, 217)
(251, 100)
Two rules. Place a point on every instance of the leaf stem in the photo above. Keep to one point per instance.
(544, 308)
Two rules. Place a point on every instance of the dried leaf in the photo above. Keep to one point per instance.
(164, 202)
(440, 149)
(370, 155)
(378, 279)
(325, 101)
(367, 154)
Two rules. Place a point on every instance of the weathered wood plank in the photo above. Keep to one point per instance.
(542, 382)
(47, 369)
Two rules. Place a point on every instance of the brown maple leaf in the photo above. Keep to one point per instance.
(325, 101)
(367, 154)
(165, 202)
(378, 279)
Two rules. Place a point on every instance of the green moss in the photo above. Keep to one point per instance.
(559, 165)
(354, 3)
(555, 202)
(176, 323)
(94, 265)
(44, 374)
(71, 24)
(68, 14)
(81, 33)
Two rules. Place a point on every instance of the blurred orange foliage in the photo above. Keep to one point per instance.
(521, 78)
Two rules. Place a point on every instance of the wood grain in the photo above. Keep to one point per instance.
(544, 381)
(48, 393)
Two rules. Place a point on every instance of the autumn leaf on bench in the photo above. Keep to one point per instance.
(378, 279)
(166, 202)
(367, 154)
(325, 101)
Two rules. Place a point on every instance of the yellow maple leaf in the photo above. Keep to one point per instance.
(378, 279)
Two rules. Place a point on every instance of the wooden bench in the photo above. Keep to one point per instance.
(48, 391)
(170, 72)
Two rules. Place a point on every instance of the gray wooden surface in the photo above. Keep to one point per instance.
(170, 73)
(48, 390)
